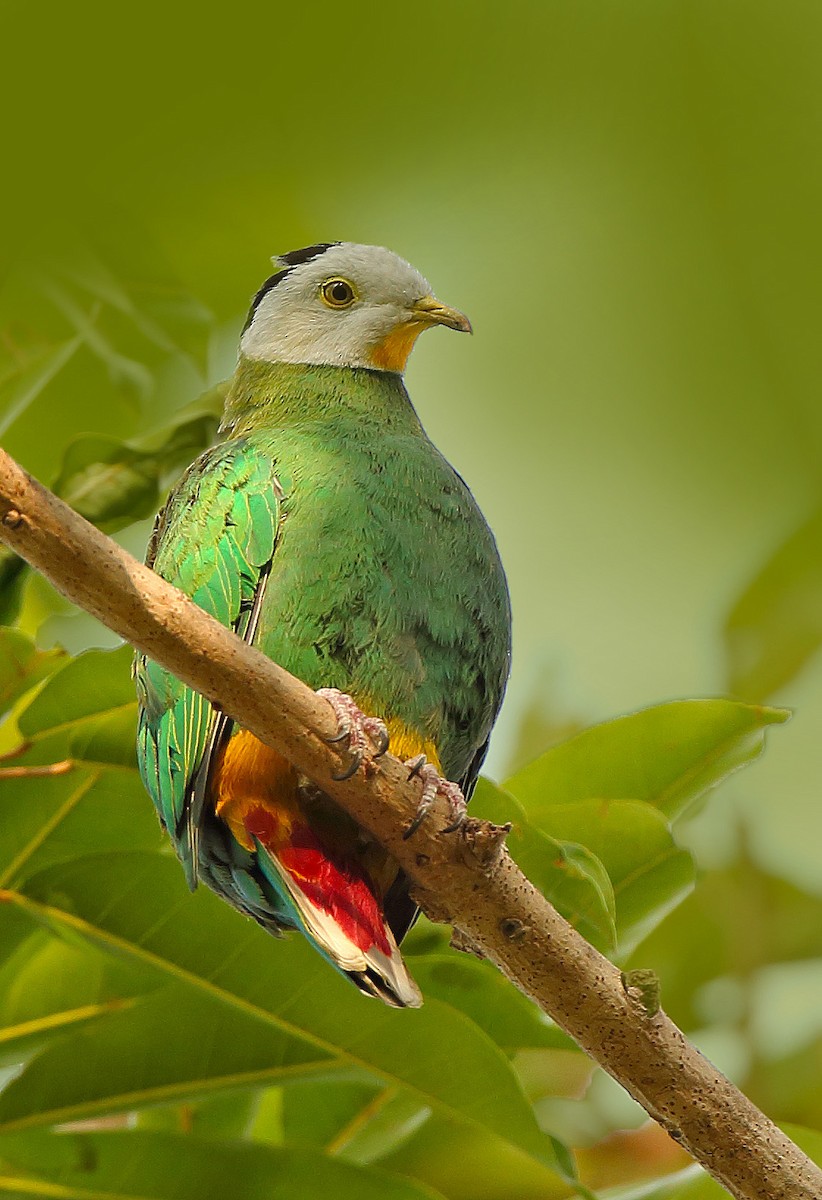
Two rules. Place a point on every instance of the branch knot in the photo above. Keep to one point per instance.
(13, 518)
(484, 841)
(642, 987)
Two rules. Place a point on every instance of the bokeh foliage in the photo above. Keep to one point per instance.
(624, 196)
(120, 992)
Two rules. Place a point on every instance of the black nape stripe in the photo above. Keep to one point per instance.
(270, 283)
(294, 258)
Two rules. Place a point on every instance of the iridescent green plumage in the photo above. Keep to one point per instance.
(213, 539)
(326, 519)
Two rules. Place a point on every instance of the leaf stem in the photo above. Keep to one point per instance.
(360, 1119)
(38, 772)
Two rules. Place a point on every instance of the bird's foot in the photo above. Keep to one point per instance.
(365, 738)
(434, 785)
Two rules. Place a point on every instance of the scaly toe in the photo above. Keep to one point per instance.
(366, 738)
(433, 785)
(456, 803)
(378, 733)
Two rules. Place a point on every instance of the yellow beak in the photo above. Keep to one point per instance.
(429, 311)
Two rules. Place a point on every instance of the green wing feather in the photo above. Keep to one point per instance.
(214, 539)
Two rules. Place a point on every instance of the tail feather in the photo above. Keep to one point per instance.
(311, 861)
(337, 910)
(388, 980)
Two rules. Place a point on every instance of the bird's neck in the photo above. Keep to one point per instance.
(276, 395)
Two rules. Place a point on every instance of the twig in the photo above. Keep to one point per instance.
(35, 772)
(467, 879)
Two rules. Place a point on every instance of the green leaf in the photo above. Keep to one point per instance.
(229, 1115)
(82, 793)
(15, 929)
(668, 756)
(113, 482)
(60, 817)
(49, 987)
(137, 906)
(611, 868)
(94, 684)
(22, 386)
(649, 872)
(482, 993)
(165, 1166)
(22, 665)
(72, 392)
(267, 1123)
(465, 1164)
(737, 921)
(104, 1068)
(108, 481)
(327, 1113)
(380, 1127)
(776, 624)
(128, 374)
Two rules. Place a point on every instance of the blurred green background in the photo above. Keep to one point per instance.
(625, 197)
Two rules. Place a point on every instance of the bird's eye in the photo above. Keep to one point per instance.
(338, 293)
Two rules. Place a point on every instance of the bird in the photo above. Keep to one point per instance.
(325, 528)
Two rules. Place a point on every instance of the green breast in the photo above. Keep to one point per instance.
(386, 581)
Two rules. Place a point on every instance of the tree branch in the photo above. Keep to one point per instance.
(467, 879)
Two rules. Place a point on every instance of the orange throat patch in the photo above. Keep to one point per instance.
(391, 354)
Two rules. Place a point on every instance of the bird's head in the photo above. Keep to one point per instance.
(342, 304)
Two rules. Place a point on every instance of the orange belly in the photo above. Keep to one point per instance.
(255, 788)
(255, 791)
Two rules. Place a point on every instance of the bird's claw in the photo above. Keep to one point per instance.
(415, 765)
(434, 785)
(380, 736)
(351, 769)
(366, 738)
